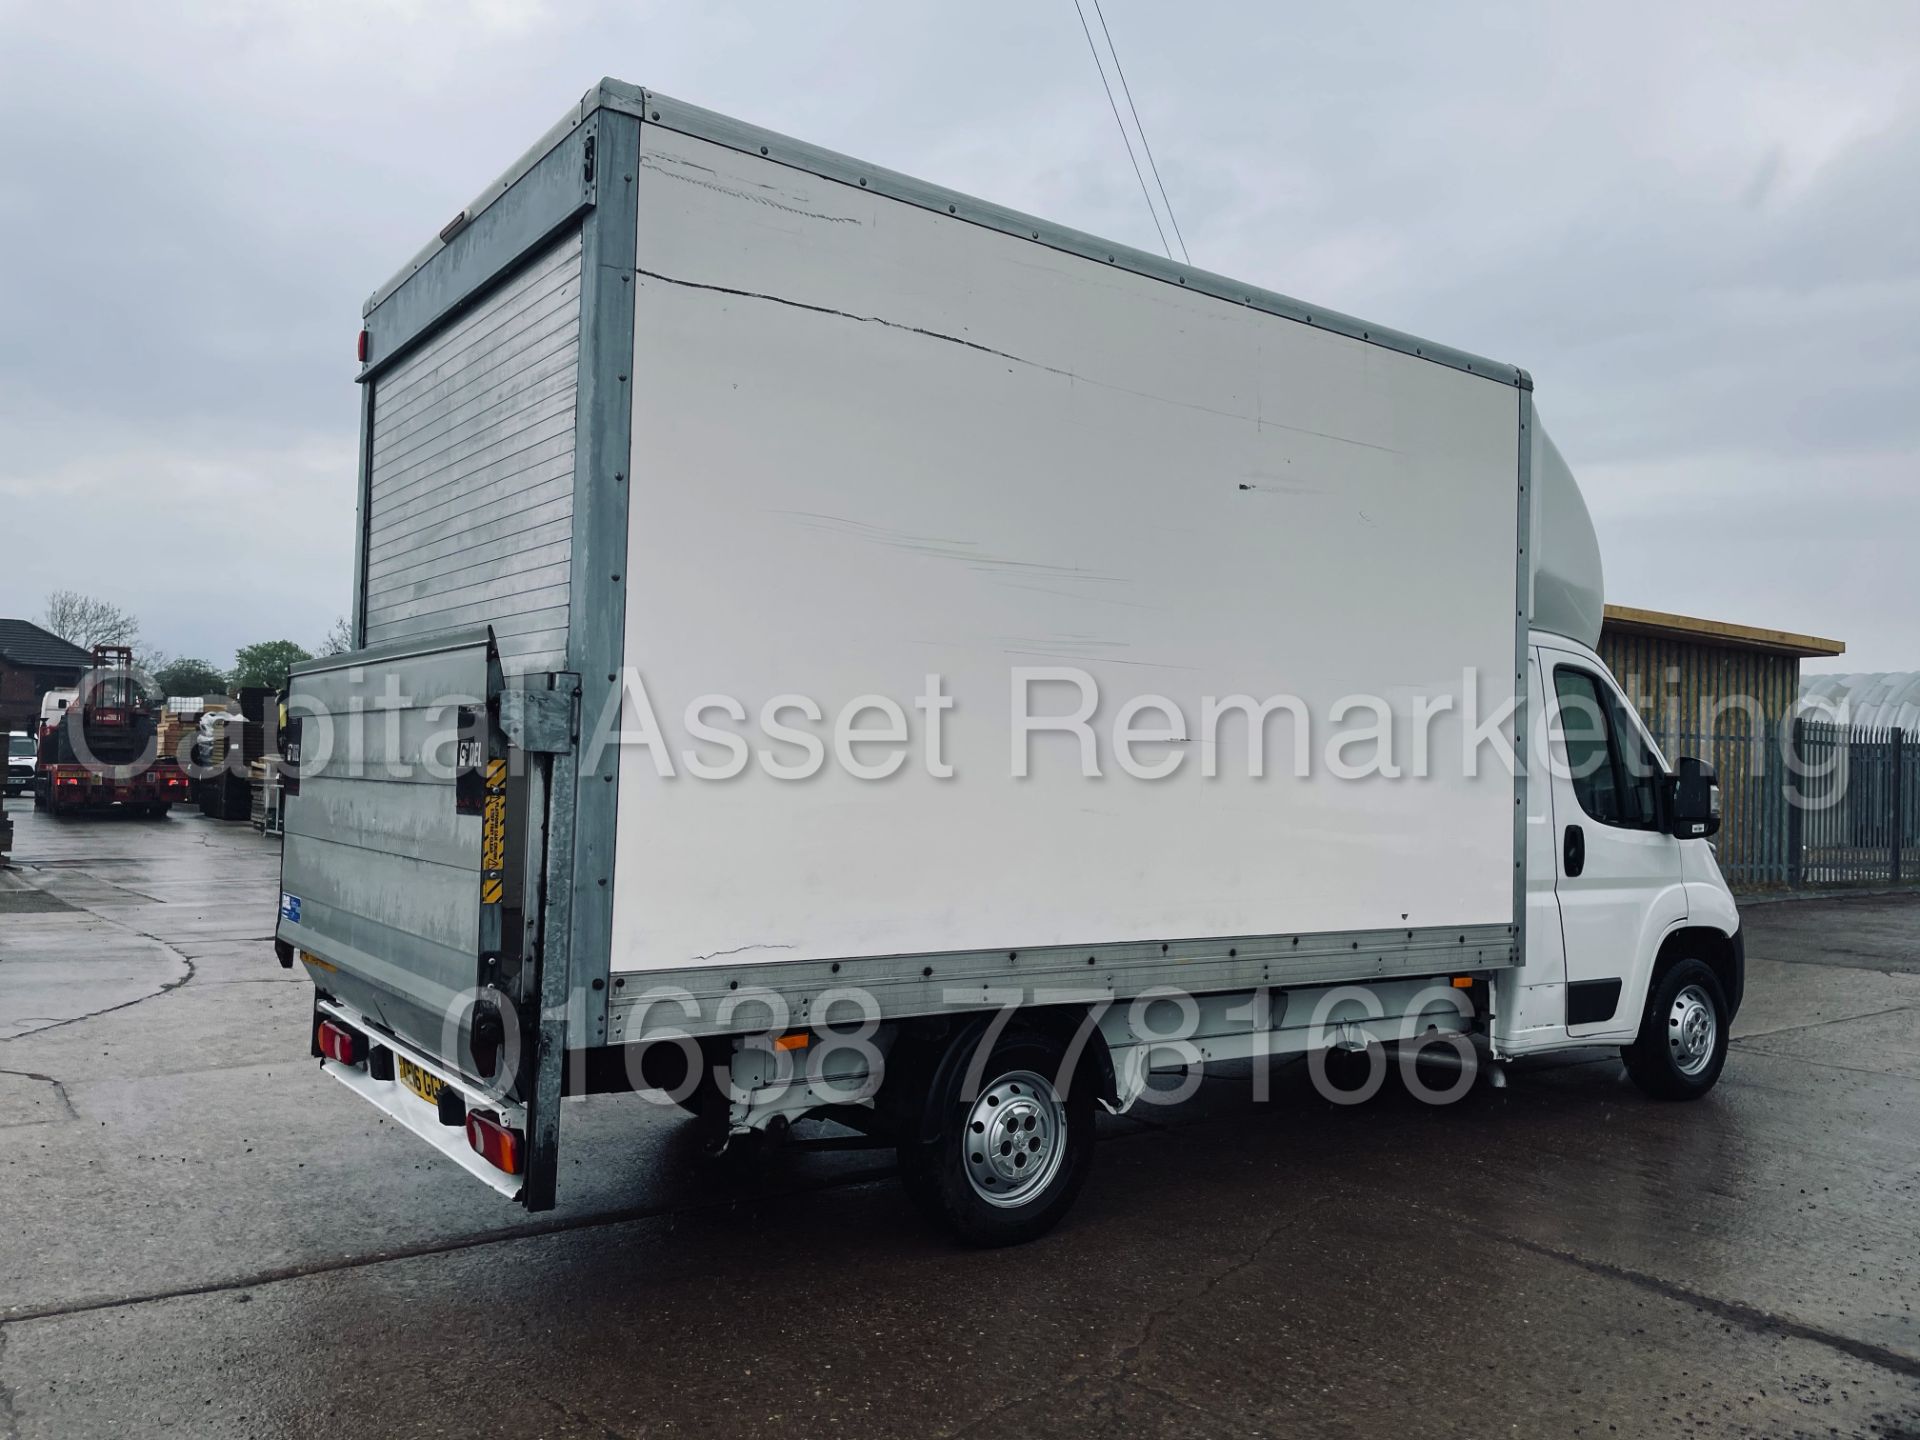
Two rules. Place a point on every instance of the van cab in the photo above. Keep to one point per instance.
(1632, 936)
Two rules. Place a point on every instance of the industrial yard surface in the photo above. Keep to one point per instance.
(207, 1236)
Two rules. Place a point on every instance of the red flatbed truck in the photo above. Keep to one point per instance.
(101, 752)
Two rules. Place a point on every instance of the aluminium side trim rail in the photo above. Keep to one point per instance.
(655, 1002)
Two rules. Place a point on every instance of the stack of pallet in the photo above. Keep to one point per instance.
(264, 776)
(174, 736)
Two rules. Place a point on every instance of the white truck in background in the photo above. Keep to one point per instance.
(834, 648)
(20, 752)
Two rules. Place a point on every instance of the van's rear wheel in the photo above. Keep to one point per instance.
(1000, 1164)
(1682, 1044)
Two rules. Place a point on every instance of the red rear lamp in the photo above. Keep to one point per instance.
(364, 346)
(340, 1044)
(500, 1147)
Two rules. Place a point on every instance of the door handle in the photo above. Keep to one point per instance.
(1573, 855)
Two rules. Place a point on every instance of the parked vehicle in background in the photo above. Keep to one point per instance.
(20, 754)
(54, 704)
(686, 401)
(99, 753)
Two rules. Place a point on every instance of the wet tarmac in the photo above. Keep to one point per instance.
(205, 1236)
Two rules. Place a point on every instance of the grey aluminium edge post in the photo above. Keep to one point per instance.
(545, 723)
(362, 517)
(596, 631)
(577, 929)
(1522, 639)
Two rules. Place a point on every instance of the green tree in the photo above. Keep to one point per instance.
(190, 677)
(266, 663)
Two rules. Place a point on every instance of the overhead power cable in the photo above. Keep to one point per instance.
(1127, 90)
(1125, 139)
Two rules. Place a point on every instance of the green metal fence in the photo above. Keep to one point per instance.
(1814, 802)
(1804, 801)
(1856, 815)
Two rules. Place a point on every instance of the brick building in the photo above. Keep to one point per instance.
(32, 662)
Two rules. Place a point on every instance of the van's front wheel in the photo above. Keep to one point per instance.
(1682, 1044)
(1000, 1162)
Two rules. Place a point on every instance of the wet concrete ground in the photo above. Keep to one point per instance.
(203, 1235)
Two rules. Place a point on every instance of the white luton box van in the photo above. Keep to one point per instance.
(835, 649)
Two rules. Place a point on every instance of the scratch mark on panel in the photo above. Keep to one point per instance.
(967, 552)
(1273, 482)
(1065, 652)
(652, 162)
(1074, 645)
(1258, 422)
(849, 315)
(1081, 595)
(741, 949)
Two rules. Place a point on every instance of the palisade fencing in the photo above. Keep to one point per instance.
(1811, 802)
(1753, 844)
(1861, 810)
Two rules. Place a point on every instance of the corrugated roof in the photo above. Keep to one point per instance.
(1871, 700)
(25, 644)
(1719, 632)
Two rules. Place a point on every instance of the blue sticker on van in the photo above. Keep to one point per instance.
(290, 907)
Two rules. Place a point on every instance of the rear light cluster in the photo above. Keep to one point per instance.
(339, 1044)
(494, 1143)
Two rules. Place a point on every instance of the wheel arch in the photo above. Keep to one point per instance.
(1722, 953)
(1066, 1023)
(917, 1064)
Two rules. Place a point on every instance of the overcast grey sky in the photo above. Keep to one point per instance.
(1697, 225)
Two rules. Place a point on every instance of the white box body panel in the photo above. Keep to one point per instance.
(873, 443)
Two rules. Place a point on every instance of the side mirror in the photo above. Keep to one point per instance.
(1693, 800)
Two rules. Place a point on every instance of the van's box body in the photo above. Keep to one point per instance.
(680, 410)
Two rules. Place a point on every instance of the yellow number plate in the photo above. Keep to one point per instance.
(427, 1087)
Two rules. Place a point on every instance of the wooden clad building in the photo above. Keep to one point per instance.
(1726, 694)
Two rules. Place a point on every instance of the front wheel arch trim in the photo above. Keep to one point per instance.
(1722, 953)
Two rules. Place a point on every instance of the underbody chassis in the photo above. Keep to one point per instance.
(873, 1078)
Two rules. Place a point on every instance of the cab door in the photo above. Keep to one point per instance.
(1618, 877)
